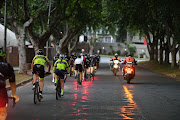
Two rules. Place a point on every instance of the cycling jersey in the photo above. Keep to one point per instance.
(79, 61)
(6, 72)
(40, 60)
(61, 65)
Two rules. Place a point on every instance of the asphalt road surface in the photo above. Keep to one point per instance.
(150, 96)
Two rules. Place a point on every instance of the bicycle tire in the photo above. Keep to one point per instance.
(35, 94)
(58, 90)
(70, 71)
(38, 92)
(85, 73)
(93, 74)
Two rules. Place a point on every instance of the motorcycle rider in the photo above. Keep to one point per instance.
(114, 58)
(129, 59)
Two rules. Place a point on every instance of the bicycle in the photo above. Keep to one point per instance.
(78, 78)
(37, 89)
(58, 87)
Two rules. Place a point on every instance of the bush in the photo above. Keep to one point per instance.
(118, 52)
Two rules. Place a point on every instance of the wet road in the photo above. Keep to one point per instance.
(150, 96)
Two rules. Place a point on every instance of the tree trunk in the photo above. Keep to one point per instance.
(173, 55)
(92, 43)
(161, 50)
(155, 42)
(21, 36)
(71, 48)
(167, 55)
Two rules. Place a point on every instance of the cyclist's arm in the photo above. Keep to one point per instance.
(49, 65)
(12, 82)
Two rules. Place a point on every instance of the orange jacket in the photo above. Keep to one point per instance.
(115, 58)
(129, 59)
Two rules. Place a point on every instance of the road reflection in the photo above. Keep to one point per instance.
(128, 111)
(80, 100)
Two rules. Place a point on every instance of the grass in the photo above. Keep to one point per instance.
(19, 77)
(162, 69)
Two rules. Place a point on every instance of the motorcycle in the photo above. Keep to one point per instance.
(128, 72)
(116, 67)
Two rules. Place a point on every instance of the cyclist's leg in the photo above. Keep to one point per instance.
(62, 73)
(76, 70)
(80, 71)
(35, 76)
(3, 113)
(41, 75)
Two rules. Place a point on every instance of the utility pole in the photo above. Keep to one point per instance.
(49, 13)
(5, 26)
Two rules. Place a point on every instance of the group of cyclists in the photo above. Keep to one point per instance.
(61, 66)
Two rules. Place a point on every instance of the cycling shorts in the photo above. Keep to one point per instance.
(3, 97)
(78, 67)
(39, 69)
(60, 73)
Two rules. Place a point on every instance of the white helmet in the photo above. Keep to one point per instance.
(116, 54)
(61, 56)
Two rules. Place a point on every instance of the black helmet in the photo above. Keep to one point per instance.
(40, 52)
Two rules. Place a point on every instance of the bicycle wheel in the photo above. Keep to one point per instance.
(38, 90)
(58, 90)
(85, 74)
(93, 74)
(35, 94)
(79, 81)
(70, 71)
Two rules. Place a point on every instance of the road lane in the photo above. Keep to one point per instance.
(149, 96)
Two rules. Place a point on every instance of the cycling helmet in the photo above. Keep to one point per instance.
(116, 54)
(40, 52)
(61, 56)
(2, 54)
(57, 54)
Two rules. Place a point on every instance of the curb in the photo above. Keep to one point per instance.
(20, 84)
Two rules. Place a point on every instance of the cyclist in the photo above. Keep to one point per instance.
(93, 63)
(54, 60)
(98, 60)
(6, 72)
(38, 63)
(60, 68)
(79, 67)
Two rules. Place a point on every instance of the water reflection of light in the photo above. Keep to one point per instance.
(128, 111)
(80, 99)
